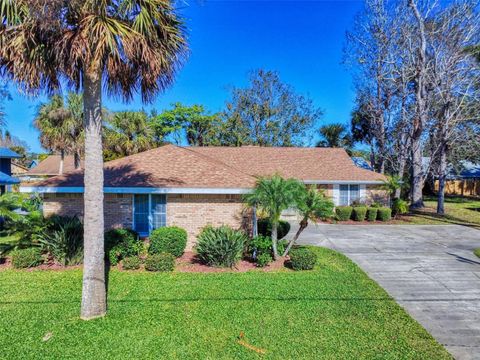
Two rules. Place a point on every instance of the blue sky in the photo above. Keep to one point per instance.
(301, 40)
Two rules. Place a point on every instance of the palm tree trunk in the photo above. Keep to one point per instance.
(275, 239)
(62, 160)
(94, 302)
(303, 225)
(76, 159)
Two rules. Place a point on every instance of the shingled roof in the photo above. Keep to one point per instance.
(50, 166)
(172, 166)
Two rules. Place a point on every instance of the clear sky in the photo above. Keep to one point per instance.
(303, 40)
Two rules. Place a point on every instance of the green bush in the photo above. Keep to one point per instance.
(384, 214)
(220, 246)
(121, 243)
(26, 258)
(265, 228)
(160, 262)
(399, 207)
(171, 239)
(344, 213)
(302, 259)
(372, 213)
(264, 259)
(375, 205)
(359, 213)
(62, 238)
(131, 263)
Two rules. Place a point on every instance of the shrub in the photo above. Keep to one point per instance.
(26, 258)
(302, 259)
(131, 263)
(384, 214)
(399, 207)
(372, 213)
(258, 245)
(375, 205)
(172, 240)
(359, 213)
(121, 243)
(343, 212)
(265, 228)
(264, 259)
(220, 246)
(62, 238)
(160, 262)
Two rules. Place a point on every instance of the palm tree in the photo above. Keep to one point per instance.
(127, 46)
(272, 196)
(127, 133)
(335, 135)
(312, 204)
(61, 126)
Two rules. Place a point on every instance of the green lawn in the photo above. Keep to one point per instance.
(335, 311)
(462, 211)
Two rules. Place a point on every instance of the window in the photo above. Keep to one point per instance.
(149, 212)
(349, 194)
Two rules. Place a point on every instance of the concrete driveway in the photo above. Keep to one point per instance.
(429, 270)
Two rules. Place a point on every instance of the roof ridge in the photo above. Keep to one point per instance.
(211, 159)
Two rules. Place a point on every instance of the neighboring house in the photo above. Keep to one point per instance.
(50, 166)
(464, 181)
(6, 178)
(18, 169)
(194, 186)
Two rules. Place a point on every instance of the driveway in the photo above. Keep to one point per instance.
(429, 270)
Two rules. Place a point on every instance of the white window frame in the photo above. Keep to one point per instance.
(150, 219)
(336, 193)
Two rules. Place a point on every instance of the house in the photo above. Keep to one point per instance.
(464, 181)
(50, 166)
(194, 186)
(6, 178)
(18, 169)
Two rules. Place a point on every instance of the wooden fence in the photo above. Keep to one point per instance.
(470, 187)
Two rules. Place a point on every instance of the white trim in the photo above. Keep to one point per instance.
(363, 193)
(342, 182)
(336, 194)
(136, 190)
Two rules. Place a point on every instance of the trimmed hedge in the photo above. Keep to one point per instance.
(170, 239)
(265, 228)
(372, 213)
(26, 258)
(264, 259)
(160, 262)
(121, 243)
(359, 213)
(222, 246)
(302, 259)
(344, 213)
(384, 214)
(131, 263)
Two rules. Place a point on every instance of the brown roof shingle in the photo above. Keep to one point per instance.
(171, 166)
(51, 166)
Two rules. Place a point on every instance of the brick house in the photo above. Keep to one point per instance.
(191, 187)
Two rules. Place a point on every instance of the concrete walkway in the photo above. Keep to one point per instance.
(429, 270)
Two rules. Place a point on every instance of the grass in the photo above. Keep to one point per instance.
(459, 211)
(334, 311)
(477, 252)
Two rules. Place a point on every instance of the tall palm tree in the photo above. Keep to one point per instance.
(311, 204)
(127, 133)
(61, 126)
(127, 46)
(334, 135)
(272, 196)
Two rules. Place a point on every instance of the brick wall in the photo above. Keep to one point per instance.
(374, 193)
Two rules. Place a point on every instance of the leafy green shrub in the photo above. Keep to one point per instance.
(131, 263)
(26, 258)
(375, 205)
(343, 212)
(384, 214)
(372, 213)
(302, 258)
(359, 213)
(62, 238)
(171, 239)
(260, 245)
(220, 246)
(160, 262)
(399, 207)
(121, 243)
(264, 259)
(265, 228)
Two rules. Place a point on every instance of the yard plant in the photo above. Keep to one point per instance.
(122, 243)
(160, 262)
(170, 239)
(222, 246)
(359, 213)
(344, 213)
(26, 258)
(384, 214)
(302, 258)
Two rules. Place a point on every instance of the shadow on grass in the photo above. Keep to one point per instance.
(428, 215)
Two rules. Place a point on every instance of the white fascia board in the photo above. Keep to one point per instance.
(335, 182)
(135, 190)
